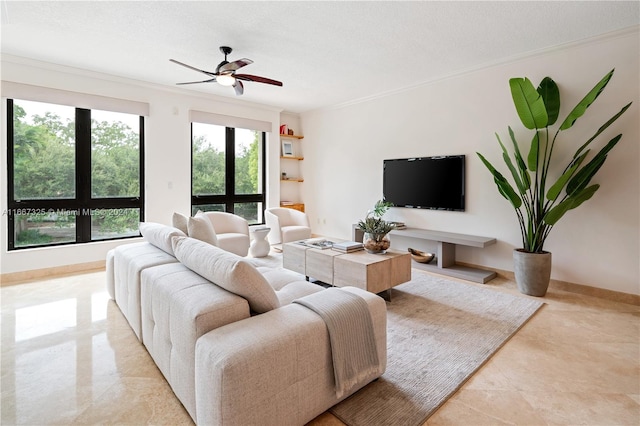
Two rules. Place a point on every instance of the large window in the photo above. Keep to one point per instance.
(228, 170)
(75, 175)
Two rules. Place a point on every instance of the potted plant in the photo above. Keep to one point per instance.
(540, 206)
(375, 228)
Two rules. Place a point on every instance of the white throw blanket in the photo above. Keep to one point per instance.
(350, 327)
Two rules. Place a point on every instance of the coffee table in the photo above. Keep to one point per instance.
(372, 272)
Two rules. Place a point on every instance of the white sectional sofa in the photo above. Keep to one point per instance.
(226, 335)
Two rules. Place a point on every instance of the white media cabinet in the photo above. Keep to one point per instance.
(446, 252)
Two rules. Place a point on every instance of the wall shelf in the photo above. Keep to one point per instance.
(292, 136)
(290, 166)
(294, 206)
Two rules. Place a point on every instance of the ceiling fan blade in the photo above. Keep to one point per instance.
(193, 68)
(232, 66)
(248, 77)
(239, 88)
(196, 82)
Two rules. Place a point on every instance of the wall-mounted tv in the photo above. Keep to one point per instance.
(425, 182)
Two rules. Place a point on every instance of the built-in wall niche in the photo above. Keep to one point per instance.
(291, 156)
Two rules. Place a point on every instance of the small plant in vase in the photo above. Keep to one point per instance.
(375, 228)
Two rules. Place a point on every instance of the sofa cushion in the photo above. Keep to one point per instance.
(128, 263)
(159, 235)
(201, 228)
(180, 221)
(177, 307)
(296, 290)
(278, 278)
(228, 271)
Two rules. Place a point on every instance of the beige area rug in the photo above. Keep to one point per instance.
(440, 332)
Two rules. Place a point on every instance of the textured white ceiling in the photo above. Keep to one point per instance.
(325, 53)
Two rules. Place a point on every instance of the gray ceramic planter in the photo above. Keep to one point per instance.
(532, 271)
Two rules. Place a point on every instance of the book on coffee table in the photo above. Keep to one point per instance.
(347, 246)
(318, 243)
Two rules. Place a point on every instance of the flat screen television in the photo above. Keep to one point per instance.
(425, 182)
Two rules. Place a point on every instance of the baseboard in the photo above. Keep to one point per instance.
(602, 293)
(38, 274)
(35, 274)
(585, 290)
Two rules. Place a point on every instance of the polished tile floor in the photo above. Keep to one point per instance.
(69, 357)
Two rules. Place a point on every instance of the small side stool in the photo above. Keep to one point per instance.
(259, 246)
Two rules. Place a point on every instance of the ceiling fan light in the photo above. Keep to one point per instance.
(226, 79)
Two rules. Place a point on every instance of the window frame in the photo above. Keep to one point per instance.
(83, 203)
(230, 198)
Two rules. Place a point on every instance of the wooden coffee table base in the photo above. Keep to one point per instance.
(376, 273)
(372, 272)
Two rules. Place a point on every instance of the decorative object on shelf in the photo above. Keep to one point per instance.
(375, 229)
(421, 256)
(290, 132)
(284, 175)
(287, 149)
(544, 206)
(283, 129)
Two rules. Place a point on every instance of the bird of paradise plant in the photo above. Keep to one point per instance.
(539, 207)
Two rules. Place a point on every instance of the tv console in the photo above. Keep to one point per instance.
(446, 252)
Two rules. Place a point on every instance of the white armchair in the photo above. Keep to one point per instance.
(286, 225)
(232, 232)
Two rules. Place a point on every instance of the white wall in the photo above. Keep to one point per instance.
(596, 244)
(167, 150)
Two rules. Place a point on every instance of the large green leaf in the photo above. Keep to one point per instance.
(555, 214)
(507, 191)
(524, 175)
(504, 187)
(602, 129)
(583, 177)
(529, 103)
(556, 188)
(534, 153)
(582, 106)
(509, 163)
(548, 89)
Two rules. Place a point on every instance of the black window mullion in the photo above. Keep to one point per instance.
(230, 166)
(140, 198)
(263, 192)
(83, 173)
(10, 176)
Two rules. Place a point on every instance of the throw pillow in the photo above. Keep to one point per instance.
(201, 228)
(228, 271)
(159, 235)
(180, 221)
